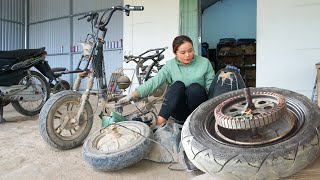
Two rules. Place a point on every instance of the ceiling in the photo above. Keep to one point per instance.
(207, 3)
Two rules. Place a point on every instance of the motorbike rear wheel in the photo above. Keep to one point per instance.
(32, 108)
(56, 120)
(61, 86)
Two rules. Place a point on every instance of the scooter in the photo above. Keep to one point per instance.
(25, 89)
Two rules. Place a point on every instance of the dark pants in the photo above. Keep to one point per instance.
(180, 101)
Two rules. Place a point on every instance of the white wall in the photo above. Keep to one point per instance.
(154, 27)
(229, 19)
(288, 44)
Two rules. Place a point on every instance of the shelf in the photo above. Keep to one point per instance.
(249, 78)
(229, 55)
(249, 66)
(242, 56)
(114, 49)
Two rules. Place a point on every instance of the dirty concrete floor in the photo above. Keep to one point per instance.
(24, 155)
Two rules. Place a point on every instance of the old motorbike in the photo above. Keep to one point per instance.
(25, 89)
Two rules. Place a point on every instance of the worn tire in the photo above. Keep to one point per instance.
(111, 161)
(278, 159)
(62, 85)
(46, 121)
(46, 88)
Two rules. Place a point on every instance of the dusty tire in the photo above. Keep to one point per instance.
(47, 117)
(62, 85)
(22, 107)
(278, 159)
(118, 159)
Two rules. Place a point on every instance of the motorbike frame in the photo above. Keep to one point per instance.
(97, 71)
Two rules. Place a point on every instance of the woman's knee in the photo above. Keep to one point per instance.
(175, 95)
(178, 85)
(176, 90)
(196, 88)
(196, 94)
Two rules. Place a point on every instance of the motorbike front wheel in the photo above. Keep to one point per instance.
(32, 108)
(56, 120)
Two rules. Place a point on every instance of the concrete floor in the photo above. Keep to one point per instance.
(24, 155)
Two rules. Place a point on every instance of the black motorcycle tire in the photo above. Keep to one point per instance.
(61, 86)
(5, 103)
(224, 160)
(46, 119)
(116, 160)
(27, 112)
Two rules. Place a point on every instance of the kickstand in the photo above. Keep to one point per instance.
(1, 113)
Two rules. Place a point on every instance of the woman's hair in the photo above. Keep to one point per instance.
(180, 40)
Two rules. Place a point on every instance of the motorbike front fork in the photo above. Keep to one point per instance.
(85, 96)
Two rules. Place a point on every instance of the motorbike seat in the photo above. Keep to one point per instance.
(20, 53)
(58, 69)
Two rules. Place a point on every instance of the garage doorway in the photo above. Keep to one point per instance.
(228, 34)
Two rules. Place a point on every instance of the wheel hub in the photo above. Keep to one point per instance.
(68, 118)
(115, 138)
(266, 120)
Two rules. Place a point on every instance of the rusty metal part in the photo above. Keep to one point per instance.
(233, 113)
(269, 133)
(115, 138)
(65, 127)
(249, 104)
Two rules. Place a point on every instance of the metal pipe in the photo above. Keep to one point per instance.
(7, 20)
(26, 24)
(250, 104)
(64, 17)
(71, 38)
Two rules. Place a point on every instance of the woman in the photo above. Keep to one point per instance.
(190, 77)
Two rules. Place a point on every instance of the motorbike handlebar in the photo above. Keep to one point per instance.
(135, 8)
(90, 15)
(102, 23)
(86, 15)
(140, 57)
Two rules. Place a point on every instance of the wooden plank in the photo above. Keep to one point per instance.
(318, 83)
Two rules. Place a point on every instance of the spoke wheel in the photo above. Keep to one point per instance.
(57, 121)
(64, 122)
(61, 86)
(31, 108)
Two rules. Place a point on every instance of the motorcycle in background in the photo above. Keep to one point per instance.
(25, 89)
(54, 75)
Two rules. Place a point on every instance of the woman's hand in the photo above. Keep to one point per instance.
(125, 99)
(128, 98)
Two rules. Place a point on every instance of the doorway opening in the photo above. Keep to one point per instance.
(228, 34)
